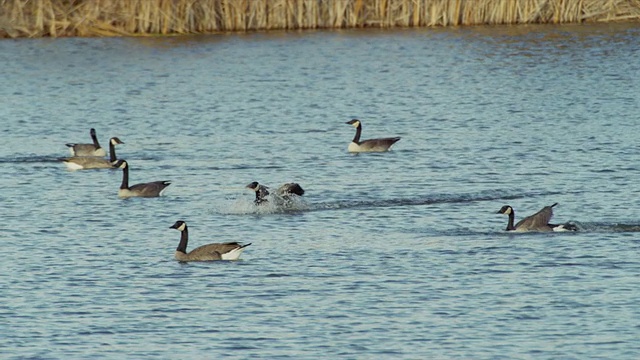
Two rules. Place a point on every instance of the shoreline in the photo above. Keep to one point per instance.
(105, 18)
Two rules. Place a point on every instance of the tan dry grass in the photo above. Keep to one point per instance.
(35, 18)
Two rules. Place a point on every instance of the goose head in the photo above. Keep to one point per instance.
(122, 164)
(258, 188)
(179, 225)
(507, 210)
(355, 123)
(115, 141)
(253, 186)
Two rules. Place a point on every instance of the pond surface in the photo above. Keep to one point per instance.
(389, 255)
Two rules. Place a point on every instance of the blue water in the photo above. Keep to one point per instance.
(393, 255)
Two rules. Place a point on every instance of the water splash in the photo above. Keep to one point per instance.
(273, 205)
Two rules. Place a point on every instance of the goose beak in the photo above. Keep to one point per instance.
(253, 186)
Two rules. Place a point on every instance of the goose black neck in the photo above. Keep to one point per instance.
(356, 138)
(112, 152)
(95, 141)
(125, 178)
(184, 238)
(512, 216)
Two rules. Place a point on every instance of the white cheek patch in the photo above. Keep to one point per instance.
(356, 124)
(508, 211)
(182, 226)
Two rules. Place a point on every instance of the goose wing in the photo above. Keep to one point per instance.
(291, 188)
(86, 150)
(149, 189)
(87, 162)
(205, 252)
(380, 144)
(81, 147)
(537, 221)
(214, 251)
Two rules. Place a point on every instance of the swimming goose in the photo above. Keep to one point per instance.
(536, 222)
(150, 189)
(88, 149)
(219, 251)
(370, 145)
(94, 162)
(284, 192)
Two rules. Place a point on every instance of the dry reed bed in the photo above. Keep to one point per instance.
(35, 18)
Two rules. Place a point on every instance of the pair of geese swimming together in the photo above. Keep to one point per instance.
(91, 156)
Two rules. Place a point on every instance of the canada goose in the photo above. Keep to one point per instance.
(88, 149)
(536, 222)
(219, 251)
(150, 189)
(370, 145)
(94, 162)
(284, 192)
(260, 190)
